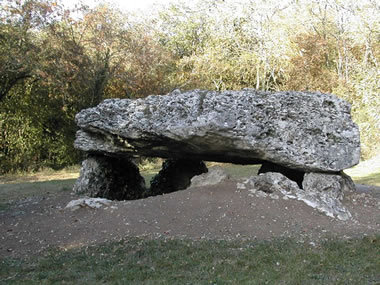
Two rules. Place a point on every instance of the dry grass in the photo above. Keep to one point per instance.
(366, 172)
(42, 175)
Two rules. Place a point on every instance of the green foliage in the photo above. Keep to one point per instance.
(53, 64)
(33, 128)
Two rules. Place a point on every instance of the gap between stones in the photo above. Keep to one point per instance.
(120, 179)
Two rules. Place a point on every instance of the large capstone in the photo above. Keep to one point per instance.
(111, 178)
(310, 132)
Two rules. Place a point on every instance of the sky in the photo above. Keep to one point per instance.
(125, 5)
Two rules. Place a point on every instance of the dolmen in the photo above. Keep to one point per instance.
(307, 138)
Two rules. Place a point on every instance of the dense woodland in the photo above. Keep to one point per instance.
(55, 62)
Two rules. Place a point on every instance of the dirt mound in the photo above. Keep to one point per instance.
(214, 212)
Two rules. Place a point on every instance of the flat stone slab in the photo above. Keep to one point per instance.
(91, 203)
(312, 132)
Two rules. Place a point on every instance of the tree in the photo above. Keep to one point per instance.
(19, 23)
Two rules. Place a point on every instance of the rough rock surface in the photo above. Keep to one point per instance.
(175, 175)
(111, 178)
(328, 190)
(312, 132)
(321, 182)
(92, 203)
(215, 175)
(293, 174)
(325, 197)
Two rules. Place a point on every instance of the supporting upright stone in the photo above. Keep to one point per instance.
(111, 178)
(327, 192)
(215, 175)
(293, 174)
(176, 175)
(323, 192)
(323, 182)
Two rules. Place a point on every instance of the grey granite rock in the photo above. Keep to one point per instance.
(328, 191)
(91, 203)
(176, 174)
(110, 178)
(323, 192)
(312, 132)
(294, 175)
(214, 176)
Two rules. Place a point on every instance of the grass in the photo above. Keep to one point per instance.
(371, 179)
(366, 172)
(237, 171)
(46, 174)
(21, 185)
(12, 192)
(141, 261)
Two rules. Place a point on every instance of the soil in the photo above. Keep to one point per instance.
(214, 212)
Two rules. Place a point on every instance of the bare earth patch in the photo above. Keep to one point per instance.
(214, 212)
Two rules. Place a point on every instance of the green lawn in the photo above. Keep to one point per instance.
(140, 261)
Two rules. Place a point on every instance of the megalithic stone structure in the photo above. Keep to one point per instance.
(301, 132)
(311, 132)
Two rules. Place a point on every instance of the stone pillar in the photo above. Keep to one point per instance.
(327, 191)
(321, 191)
(111, 178)
(175, 175)
(294, 175)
